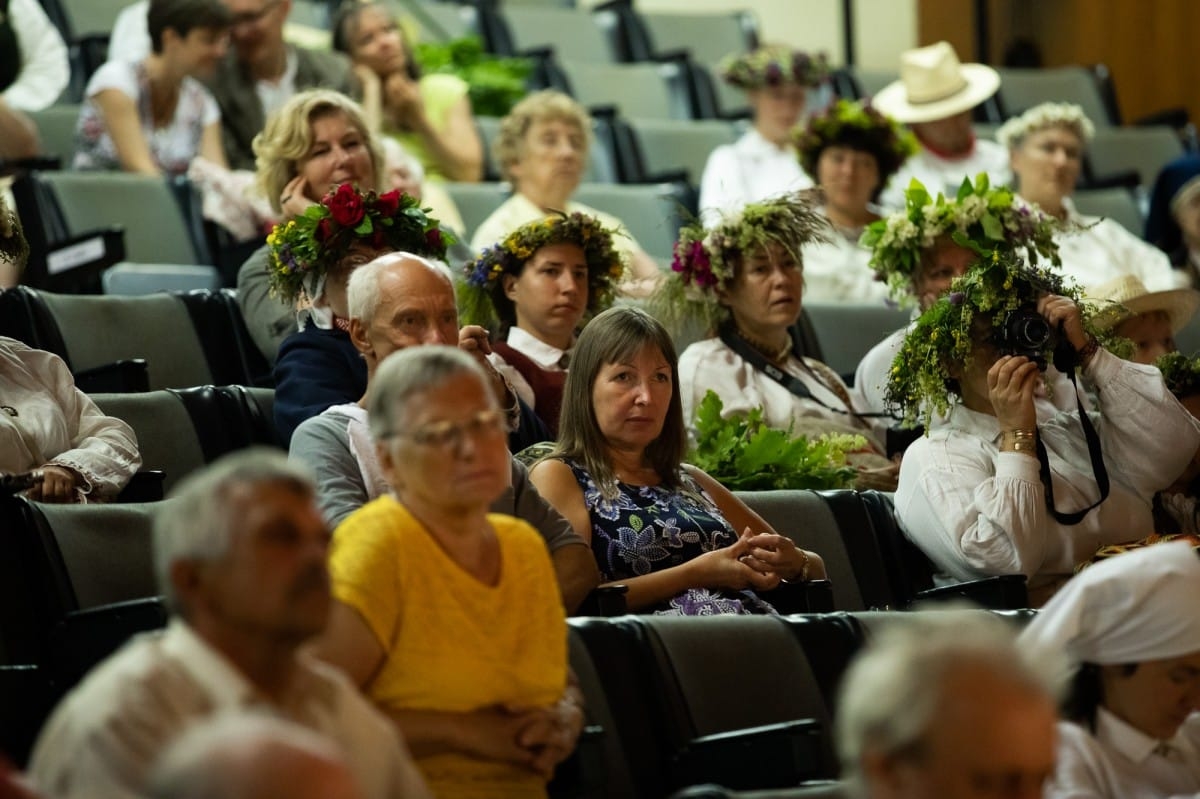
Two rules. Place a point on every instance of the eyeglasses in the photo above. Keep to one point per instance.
(249, 18)
(449, 435)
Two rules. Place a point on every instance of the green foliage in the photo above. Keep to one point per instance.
(496, 83)
(744, 454)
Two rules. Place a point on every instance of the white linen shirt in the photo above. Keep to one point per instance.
(747, 171)
(538, 351)
(945, 175)
(1119, 762)
(839, 271)
(47, 420)
(105, 735)
(977, 511)
(1105, 250)
(711, 364)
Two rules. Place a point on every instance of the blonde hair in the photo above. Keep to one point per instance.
(287, 138)
(546, 105)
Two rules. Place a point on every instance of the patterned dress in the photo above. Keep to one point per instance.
(645, 529)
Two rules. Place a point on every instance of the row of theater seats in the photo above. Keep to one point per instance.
(76, 580)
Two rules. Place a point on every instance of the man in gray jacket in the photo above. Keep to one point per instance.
(261, 71)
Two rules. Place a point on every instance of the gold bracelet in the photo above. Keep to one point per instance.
(1021, 440)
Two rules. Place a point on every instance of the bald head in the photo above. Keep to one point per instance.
(401, 300)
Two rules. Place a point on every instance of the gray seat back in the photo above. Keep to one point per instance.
(805, 517)
(166, 436)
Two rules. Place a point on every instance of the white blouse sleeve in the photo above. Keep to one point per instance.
(44, 67)
(973, 510)
(103, 449)
(1144, 431)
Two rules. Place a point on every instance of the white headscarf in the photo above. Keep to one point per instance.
(1135, 607)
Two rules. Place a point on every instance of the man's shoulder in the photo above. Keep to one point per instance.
(321, 69)
(142, 689)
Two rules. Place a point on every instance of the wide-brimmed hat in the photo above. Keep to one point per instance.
(1127, 296)
(934, 85)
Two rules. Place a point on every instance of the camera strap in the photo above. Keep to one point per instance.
(790, 382)
(1098, 468)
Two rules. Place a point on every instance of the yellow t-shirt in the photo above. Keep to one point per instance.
(439, 93)
(453, 643)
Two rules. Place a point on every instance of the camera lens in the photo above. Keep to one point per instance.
(1029, 332)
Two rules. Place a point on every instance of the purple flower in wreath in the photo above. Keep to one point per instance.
(773, 74)
(691, 260)
(957, 297)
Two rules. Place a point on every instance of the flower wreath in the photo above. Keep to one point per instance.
(1042, 116)
(1181, 373)
(773, 65)
(304, 249)
(979, 218)
(858, 122)
(705, 259)
(482, 298)
(919, 383)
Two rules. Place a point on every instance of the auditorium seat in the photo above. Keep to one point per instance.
(1117, 204)
(848, 332)
(181, 430)
(1144, 150)
(186, 339)
(648, 90)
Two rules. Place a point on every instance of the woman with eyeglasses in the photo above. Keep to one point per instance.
(449, 617)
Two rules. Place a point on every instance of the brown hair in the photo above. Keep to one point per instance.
(614, 336)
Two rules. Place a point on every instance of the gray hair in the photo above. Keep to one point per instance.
(362, 292)
(227, 754)
(890, 692)
(411, 371)
(199, 522)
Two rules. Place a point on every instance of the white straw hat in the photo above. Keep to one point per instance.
(934, 85)
(1127, 296)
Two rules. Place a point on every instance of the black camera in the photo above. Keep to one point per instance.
(1026, 332)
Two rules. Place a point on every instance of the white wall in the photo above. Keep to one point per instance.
(883, 28)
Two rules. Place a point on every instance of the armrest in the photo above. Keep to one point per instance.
(120, 377)
(814, 596)
(606, 600)
(1002, 592)
(85, 637)
(74, 265)
(582, 775)
(784, 755)
(145, 486)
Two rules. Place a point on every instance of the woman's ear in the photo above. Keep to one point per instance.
(509, 283)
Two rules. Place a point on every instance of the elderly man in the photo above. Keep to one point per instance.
(401, 300)
(935, 96)
(246, 756)
(241, 557)
(943, 706)
(262, 71)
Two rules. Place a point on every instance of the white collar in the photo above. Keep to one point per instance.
(982, 425)
(223, 683)
(535, 349)
(754, 142)
(1117, 734)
